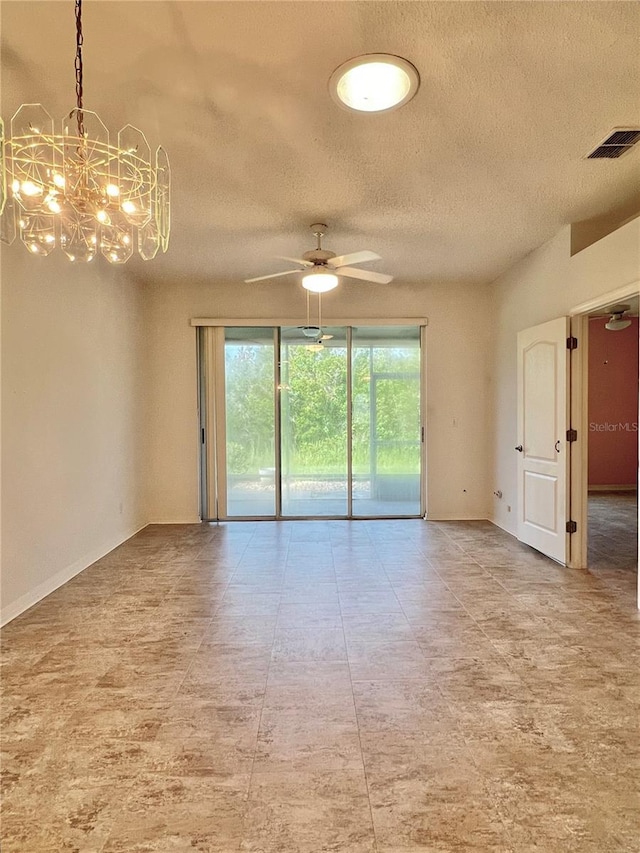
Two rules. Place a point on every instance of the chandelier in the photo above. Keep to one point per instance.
(78, 191)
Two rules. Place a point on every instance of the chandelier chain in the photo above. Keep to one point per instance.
(78, 68)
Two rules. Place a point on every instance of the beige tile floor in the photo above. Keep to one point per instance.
(325, 686)
(613, 531)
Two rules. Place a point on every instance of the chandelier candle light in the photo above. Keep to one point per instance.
(78, 191)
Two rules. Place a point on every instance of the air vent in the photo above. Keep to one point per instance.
(617, 143)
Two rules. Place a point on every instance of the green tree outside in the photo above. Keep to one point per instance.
(314, 409)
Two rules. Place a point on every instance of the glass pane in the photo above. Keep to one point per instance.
(386, 420)
(313, 378)
(249, 391)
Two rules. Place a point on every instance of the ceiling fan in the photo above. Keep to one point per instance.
(617, 320)
(323, 267)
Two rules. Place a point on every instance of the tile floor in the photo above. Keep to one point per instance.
(395, 686)
(613, 532)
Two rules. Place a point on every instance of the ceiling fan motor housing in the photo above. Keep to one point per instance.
(318, 256)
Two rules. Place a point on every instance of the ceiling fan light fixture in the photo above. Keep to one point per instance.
(319, 280)
(617, 323)
(374, 83)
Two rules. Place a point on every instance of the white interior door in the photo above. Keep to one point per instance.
(543, 452)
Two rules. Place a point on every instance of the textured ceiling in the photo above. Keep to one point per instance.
(482, 166)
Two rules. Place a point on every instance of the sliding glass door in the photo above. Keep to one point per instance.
(294, 427)
(386, 430)
(250, 460)
(313, 405)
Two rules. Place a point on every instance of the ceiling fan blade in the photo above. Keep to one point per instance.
(265, 277)
(365, 275)
(354, 258)
(622, 314)
(300, 261)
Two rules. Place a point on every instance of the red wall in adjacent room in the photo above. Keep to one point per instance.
(613, 400)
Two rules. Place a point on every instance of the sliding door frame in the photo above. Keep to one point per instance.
(211, 426)
(349, 390)
(423, 420)
(277, 418)
(203, 429)
(212, 414)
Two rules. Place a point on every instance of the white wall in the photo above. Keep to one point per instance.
(547, 283)
(457, 380)
(606, 265)
(73, 426)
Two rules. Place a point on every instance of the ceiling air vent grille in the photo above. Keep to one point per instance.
(617, 143)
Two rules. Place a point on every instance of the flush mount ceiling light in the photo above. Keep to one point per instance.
(374, 83)
(77, 190)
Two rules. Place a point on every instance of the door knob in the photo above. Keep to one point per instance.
(519, 448)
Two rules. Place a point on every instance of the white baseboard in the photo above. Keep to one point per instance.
(454, 517)
(197, 520)
(626, 488)
(501, 526)
(55, 581)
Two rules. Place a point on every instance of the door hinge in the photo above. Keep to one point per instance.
(572, 343)
(572, 527)
(572, 435)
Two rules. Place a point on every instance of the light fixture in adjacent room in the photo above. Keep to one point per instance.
(318, 280)
(374, 83)
(617, 321)
(77, 190)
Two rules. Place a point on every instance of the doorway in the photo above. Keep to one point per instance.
(606, 517)
(329, 427)
(555, 425)
(612, 516)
